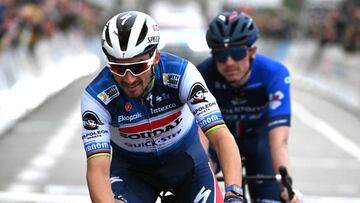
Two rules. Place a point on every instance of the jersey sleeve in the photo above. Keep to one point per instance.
(96, 128)
(279, 99)
(202, 103)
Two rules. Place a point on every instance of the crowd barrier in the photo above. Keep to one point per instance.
(27, 77)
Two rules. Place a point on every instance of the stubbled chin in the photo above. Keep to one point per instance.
(137, 93)
(232, 77)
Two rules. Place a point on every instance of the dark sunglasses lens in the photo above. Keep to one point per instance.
(238, 53)
(221, 56)
(235, 53)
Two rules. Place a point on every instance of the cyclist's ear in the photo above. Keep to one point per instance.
(253, 51)
(157, 57)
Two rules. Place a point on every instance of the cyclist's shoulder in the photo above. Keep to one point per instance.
(263, 63)
(171, 63)
(103, 86)
(206, 66)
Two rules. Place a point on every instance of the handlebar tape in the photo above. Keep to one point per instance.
(286, 181)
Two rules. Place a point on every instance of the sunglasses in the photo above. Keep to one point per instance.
(236, 53)
(136, 68)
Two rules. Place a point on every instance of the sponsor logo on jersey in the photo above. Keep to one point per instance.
(149, 98)
(91, 121)
(210, 121)
(163, 108)
(204, 108)
(97, 147)
(238, 101)
(203, 195)
(149, 130)
(152, 143)
(243, 109)
(287, 80)
(171, 80)
(275, 99)
(130, 118)
(109, 94)
(197, 93)
(158, 98)
(128, 106)
(94, 134)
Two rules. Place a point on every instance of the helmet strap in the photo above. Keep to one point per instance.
(152, 81)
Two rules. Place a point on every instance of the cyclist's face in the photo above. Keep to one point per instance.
(134, 86)
(235, 71)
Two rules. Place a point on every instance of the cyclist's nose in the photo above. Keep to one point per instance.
(129, 78)
(229, 61)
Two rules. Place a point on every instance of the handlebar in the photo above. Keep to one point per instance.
(286, 181)
(283, 177)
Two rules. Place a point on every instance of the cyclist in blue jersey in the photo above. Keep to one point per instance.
(140, 123)
(253, 93)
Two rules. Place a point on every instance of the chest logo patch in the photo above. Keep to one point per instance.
(109, 94)
(128, 106)
(171, 80)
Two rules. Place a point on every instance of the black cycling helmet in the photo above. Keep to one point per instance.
(231, 29)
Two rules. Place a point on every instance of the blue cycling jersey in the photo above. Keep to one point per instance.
(153, 128)
(250, 112)
(263, 99)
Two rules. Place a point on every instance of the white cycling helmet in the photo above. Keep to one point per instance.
(130, 34)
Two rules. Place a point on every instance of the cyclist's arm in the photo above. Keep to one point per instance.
(278, 138)
(98, 180)
(228, 154)
(204, 141)
(278, 90)
(96, 139)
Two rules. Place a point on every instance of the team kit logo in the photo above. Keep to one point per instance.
(109, 94)
(171, 80)
(197, 93)
(91, 121)
(275, 99)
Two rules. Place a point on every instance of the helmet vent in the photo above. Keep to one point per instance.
(243, 27)
(143, 34)
(150, 48)
(243, 38)
(124, 39)
(107, 37)
(251, 27)
(232, 28)
(220, 29)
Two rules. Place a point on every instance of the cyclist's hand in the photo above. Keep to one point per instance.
(298, 197)
(233, 199)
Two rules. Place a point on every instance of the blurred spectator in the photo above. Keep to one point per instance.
(339, 25)
(25, 22)
(351, 20)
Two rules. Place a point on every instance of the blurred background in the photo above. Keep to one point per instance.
(50, 50)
